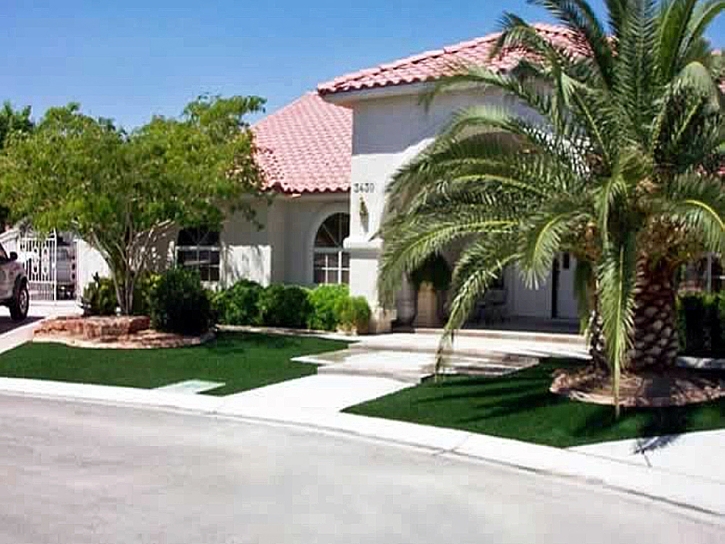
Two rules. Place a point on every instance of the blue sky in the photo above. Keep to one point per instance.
(129, 60)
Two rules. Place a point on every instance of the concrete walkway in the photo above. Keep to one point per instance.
(411, 357)
(318, 393)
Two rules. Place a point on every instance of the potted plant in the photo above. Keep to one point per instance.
(431, 282)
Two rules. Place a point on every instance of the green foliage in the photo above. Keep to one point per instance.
(284, 306)
(124, 191)
(701, 322)
(144, 290)
(179, 303)
(434, 270)
(324, 300)
(99, 297)
(14, 121)
(238, 305)
(327, 307)
(353, 314)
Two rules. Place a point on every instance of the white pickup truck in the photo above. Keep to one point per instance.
(13, 285)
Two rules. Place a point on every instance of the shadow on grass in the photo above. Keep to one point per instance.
(520, 406)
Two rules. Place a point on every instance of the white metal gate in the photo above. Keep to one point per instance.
(50, 264)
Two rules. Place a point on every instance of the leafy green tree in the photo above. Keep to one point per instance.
(615, 161)
(12, 120)
(124, 192)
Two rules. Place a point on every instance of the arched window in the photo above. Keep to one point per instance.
(200, 249)
(331, 262)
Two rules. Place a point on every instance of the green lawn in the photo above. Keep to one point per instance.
(241, 361)
(521, 407)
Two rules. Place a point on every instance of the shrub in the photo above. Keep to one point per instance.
(353, 314)
(701, 323)
(238, 305)
(324, 300)
(284, 306)
(180, 304)
(99, 297)
(145, 286)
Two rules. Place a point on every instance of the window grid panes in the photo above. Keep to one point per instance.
(331, 262)
(200, 250)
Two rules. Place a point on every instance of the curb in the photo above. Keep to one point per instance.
(698, 494)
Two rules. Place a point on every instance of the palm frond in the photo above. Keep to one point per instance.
(616, 276)
(479, 266)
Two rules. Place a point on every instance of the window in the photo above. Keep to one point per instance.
(704, 275)
(200, 250)
(331, 262)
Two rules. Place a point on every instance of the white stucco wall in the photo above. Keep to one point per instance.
(388, 131)
(282, 251)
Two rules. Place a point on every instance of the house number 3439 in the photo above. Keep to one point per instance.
(363, 187)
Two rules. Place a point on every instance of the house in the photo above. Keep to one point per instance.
(328, 157)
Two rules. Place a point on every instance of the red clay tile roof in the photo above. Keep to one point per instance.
(306, 147)
(435, 64)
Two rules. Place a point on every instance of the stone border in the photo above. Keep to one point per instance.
(134, 342)
(565, 385)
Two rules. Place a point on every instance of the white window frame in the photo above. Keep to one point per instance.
(339, 251)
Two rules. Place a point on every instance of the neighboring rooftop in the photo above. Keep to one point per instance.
(432, 65)
(306, 147)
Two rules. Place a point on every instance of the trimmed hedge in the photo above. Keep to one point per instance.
(284, 306)
(701, 323)
(324, 300)
(327, 307)
(238, 305)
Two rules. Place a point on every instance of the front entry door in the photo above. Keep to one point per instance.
(563, 303)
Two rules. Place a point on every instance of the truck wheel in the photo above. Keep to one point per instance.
(20, 303)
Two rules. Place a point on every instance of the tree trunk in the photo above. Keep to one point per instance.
(655, 343)
(597, 348)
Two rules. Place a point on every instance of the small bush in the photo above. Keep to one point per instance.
(145, 286)
(354, 314)
(701, 322)
(180, 304)
(284, 306)
(238, 305)
(324, 300)
(99, 297)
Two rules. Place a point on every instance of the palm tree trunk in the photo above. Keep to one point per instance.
(595, 334)
(655, 342)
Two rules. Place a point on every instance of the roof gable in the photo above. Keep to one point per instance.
(435, 64)
(306, 147)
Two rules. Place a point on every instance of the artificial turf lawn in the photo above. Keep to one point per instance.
(240, 361)
(521, 407)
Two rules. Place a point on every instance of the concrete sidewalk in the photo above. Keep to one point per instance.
(695, 492)
(698, 454)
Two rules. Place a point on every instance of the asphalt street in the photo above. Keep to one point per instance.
(78, 473)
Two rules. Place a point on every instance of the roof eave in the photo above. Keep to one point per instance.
(348, 97)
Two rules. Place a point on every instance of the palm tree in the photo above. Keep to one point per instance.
(619, 167)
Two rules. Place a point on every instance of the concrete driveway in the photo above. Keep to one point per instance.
(7, 324)
(80, 473)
